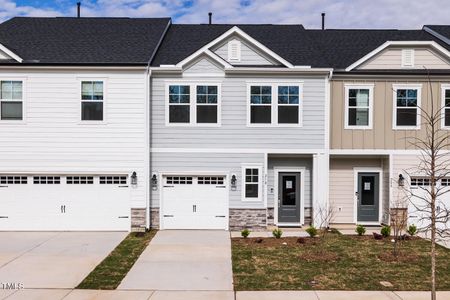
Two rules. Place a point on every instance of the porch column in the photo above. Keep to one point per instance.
(320, 203)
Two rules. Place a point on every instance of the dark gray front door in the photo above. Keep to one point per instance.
(368, 197)
(289, 197)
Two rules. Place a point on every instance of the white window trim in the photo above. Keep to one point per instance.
(417, 87)
(105, 97)
(274, 103)
(348, 87)
(404, 65)
(193, 104)
(237, 43)
(444, 87)
(24, 102)
(260, 182)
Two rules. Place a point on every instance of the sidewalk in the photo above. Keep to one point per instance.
(67, 294)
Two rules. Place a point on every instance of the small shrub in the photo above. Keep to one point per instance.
(412, 230)
(312, 231)
(360, 230)
(245, 233)
(277, 233)
(385, 231)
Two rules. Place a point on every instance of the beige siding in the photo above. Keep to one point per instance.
(381, 135)
(391, 58)
(342, 185)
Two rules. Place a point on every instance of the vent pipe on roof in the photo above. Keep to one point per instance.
(210, 18)
(323, 21)
(78, 9)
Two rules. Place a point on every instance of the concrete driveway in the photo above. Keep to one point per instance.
(183, 260)
(53, 259)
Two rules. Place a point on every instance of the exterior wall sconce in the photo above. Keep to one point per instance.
(134, 178)
(154, 182)
(233, 182)
(401, 180)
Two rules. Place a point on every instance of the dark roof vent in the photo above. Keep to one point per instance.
(323, 21)
(210, 18)
(78, 9)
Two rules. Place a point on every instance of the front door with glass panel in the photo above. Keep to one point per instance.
(289, 197)
(368, 197)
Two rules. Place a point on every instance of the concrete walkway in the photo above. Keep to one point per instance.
(67, 294)
(183, 260)
(52, 259)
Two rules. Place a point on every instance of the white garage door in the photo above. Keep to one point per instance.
(43, 202)
(194, 202)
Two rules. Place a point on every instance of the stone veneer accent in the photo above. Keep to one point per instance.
(254, 219)
(138, 219)
(154, 218)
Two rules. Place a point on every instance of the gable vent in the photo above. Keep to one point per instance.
(407, 58)
(234, 51)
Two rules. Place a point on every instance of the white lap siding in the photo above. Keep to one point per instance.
(53, 140)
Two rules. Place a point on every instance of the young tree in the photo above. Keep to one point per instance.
(434, 166)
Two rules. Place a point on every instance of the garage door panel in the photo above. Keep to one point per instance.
(196, 202)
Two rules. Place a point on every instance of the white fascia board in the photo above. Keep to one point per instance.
(10, 53)
(235, 30)
(398, 43)
(437, 34)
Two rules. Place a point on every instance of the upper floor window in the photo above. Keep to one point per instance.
(203, 109)
(11, 100)
(406, 107)
(260, 104)
(284, 110)
(92, 97)
(179, 104)
(358, 106)
(446, 106)
(207, 96)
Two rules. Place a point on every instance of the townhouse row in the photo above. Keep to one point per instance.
(126, 124)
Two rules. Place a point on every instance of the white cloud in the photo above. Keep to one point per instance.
(340, 13)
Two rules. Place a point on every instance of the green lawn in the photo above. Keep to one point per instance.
(110, 272)
(335, 262)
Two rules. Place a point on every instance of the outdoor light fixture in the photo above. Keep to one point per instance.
(154, 180)
(134, 178)
(233, 181)
(401, 180)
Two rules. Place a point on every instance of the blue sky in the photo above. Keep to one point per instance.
(401, 14)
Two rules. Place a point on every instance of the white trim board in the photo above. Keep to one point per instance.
(444, 87)
(10, 53)
(278, 170)
(397, 43)
(238, 150)
(380, 193)
(348, 87)
(413, 86)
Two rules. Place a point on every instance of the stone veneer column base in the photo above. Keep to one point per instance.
(154, 218)
(254, 219)
(138, 219)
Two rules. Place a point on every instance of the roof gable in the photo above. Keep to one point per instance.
(6, 54)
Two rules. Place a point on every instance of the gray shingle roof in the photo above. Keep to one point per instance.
(83, 40)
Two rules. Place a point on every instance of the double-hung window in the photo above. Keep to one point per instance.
(251, 181)
(207, 109)
(274, 104)
(92, 97)
(261, 104)
(446, 106)
(179, 104)
(406, 107)
(288, 104)
(358, 106)
(11, 100)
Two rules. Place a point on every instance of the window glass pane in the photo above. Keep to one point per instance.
(283, 90)
(207, 114)
(174, 98)
(266, 90)
(358, 117)
(6, 88)
(406, 116)
(293, 99)
(179, 114)
(184, 98)
(98, 90)
(447, 117)
(17, 90)
(255, 99)
(212, 98)
(174, 89)
(293, 90)
(212, 89)
(184, 89)
(87, 90)
(283, 99)
(11, 110)
(288, 114)
(266, 99)
(255, 90)
(92, 111)
(201, 98)
(202, 89)
(362, 98)
(401, 93)
(251, 191)
(260, 114)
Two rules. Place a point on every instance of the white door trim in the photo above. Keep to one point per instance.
(277, 171)
(380, 193)
(194, 173)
